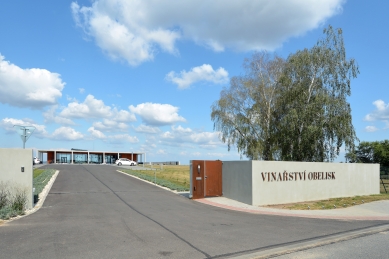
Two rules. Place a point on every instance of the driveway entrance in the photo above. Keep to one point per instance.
(93, 211)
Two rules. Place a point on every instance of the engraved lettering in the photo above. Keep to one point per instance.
(285, 176)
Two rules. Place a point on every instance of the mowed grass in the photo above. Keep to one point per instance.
(37, 172)
(176, 174)
(337, 203)
(386, 183)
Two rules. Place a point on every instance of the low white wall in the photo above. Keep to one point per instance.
(12, 160)
(274, 182)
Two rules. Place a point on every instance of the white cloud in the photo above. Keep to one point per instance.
(219, 154)
(96, 133)
(179, 136)
(147, 129)
(135, 30)
(50, 117)
(122, 138)
(156, 114)
(90, 108)
(380, 114)
(161, 152)
(93, 108)
(110, 125)
(8, 125)
(81, 90)
(113, 139)
(197, 74)
(118, 30)
(370, 129)
(33, 87)
(66, 133)
(71, 99)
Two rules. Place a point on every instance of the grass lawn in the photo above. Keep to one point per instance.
(176, 174)
(338, 202)
(37, 172)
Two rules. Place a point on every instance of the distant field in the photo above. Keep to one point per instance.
(176, 174)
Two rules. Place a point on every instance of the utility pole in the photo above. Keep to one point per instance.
(25, 133)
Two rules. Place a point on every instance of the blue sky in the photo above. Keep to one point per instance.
(141, 76)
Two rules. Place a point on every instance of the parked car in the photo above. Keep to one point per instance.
(125, 161)
(36, 161)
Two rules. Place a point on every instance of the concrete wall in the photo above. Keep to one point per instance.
(237, 180)
(274, 182)
(12, 159)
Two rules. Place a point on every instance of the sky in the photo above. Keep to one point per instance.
(141, 76)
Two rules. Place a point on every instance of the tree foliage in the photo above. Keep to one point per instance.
(370, 152)
(244, 112)
(314, 119)
(294, 109)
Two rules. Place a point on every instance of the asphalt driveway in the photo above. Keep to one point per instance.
(92, 211)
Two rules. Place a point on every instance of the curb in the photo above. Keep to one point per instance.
(287, 214)
(304, 245)
(143, 180)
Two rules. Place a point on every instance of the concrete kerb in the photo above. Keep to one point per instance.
(162, 187)
(42, 198)
(317, 214)
(317, 242)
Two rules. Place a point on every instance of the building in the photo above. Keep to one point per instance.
(78, 156)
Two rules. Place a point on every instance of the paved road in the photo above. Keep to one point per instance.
(92, 211)
(372, 246)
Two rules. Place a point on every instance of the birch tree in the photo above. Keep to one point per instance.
(244, 114)
(314, 116)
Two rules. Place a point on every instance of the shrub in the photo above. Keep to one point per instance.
(13, 201)
(19, 200)
(4, 195)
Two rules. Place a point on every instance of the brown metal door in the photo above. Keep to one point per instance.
(213, 178)
(198, 179)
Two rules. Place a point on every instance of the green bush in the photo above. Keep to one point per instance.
(161, 182)
(4, 195)
(12, 201)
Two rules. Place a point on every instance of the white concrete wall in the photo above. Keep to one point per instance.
(12, 159)
(237, 180)
(344, 180)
